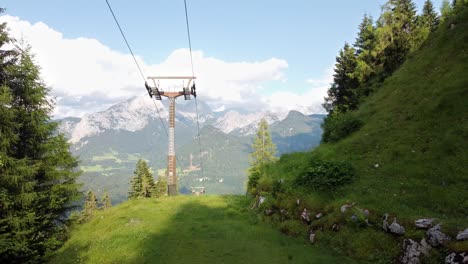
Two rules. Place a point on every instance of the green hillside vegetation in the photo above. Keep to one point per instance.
(408, 155)
(185, 229)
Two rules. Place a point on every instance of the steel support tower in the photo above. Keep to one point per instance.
(158, 93)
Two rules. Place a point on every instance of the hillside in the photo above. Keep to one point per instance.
(185, 229)
(410, 155)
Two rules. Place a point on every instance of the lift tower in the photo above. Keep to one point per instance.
(158, 93)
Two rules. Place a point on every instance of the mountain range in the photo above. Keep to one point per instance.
(109, 143)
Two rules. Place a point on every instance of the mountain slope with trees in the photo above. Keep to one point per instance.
(404, 135)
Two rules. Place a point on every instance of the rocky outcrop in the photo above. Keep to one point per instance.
(305, 217)
(435, 236)
(462, 235)
(424, 223)
(412, 251)
(457, 258)
(396, 228)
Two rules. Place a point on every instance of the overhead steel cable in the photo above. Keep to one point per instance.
(126, 42)
(139, 69)
(196, 103)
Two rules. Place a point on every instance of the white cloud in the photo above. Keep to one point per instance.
(309, 102)
(87, 76)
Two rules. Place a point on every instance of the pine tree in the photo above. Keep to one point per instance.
(264, 152)
(136, 183)
(142, 183)
(160, 188)
(445, 10)
(396, 32)
(429, 17)
(342, 95)
(90, 206)
(365, 50)
(37, 172)
(147, 185)
(106, 201)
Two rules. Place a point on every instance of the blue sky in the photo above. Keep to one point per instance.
(306, 35)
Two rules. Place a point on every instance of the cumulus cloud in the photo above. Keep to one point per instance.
(87, 76)
(308, 102)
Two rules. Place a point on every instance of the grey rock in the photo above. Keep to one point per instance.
(395, 228)
(412, 251)
(424, 223)
(457, 258)
(365, 212)
(435, 236)
(311, 236)
(385, 224)
(335, 227)
(319, 215)
(305, 216)
(261, 200)
(462, 235)
(345, 207)
(354, 218)
(269, 212)
(298, 201)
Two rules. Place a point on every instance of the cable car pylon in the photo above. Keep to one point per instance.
(158, 93)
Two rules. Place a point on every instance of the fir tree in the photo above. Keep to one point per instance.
(342, 95)
(365, 50)
(264, 152)
(90, 206)
(396, 28)
(147, 184)
(160, 188)
(136, 183)
(106, 201)
(445, 10)
(429, 17)
(142, 183)
(37, 172)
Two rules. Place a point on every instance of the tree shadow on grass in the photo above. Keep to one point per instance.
(224, 233)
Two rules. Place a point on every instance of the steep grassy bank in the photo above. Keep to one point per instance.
(410, 157)
(185, 229)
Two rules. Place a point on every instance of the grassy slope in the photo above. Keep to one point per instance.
(185, 229)
(416, 130)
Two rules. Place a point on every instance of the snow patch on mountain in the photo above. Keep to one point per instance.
(244, 124)
(131, 115)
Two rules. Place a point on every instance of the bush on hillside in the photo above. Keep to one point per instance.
(326, 175)
(338, 126)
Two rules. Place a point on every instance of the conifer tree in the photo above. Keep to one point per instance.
(365, 50)
(160, 188)
(264, 152)
(429, 17)
(342, 95)
(90, 206)
(106, 201)
(445, 10)
(396, 32)
(136, 183)
(37, 172)
(142, 183)
(147, 185)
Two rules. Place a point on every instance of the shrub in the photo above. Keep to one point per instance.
(338, 126)
(326, 175)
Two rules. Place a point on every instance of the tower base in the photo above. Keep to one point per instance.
(172, 190)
